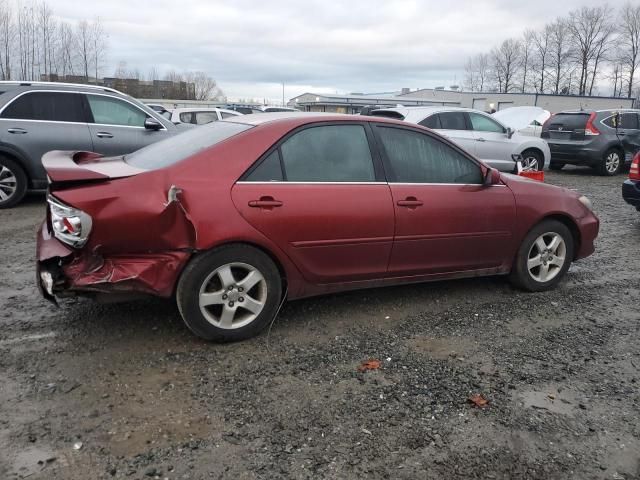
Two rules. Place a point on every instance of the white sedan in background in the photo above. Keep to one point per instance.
(479, 134)
(524, 120)
(200, 116)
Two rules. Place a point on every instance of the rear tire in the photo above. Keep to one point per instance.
(13, 183)
(544, 257)
(532, 159)
(556, 166)
(230, 293)
(612, 162)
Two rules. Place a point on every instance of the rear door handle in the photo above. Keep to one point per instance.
(410, 202)
(17, 130)
(480, 139)
(104, 135)
(265, 202)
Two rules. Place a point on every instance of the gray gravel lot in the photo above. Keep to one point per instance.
(143, 398)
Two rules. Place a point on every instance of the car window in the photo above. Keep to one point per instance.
(432, 121)
(173, 149)
(206, 117)
(186, 117)
(269, 170)
(113, 111)
(452, 121)
(626, 120)
(331, 153)
(419, 158)
(49, 106)
(227, 115)
(482, 123)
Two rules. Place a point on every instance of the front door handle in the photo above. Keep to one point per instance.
(480, 139)
(266, 202)
(410, 202)
(104, 135)
(20, 131)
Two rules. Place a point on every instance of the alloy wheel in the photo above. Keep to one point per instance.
(612, 162)
(233, 295)
(530, 163)
(8, 183)
(547, 256)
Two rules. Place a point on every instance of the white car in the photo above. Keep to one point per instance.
(479, 134)
(270, 109)
(524, 120)
(200, 116)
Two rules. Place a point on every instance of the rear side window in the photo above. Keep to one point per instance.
(481, 123)
(625, 120)
(431, 122)
(48, 106)
(227, 115)
(186, 117)
(331, 153)
(453, 121)
(269, 170)
(113, 111)
(173, 149)
(419, 158)
(206, 117)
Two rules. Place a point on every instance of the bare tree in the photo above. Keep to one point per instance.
(559, 54)
(84, 44)
(7, 39)
(477, 72)
(629, 43)
(98, 47)
(590, 30)
(541, 52)
(66, 49)
(205, 87)
(507, 60)
(46, 27)
(527, 55)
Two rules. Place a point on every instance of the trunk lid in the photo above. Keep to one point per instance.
(74, 166)
(566, 126)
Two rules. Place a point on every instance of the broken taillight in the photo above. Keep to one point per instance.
(69, 225)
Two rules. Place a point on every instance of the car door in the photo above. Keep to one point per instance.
(455, 126)
(446, 220)
(320, 195)
(493, 144)
(37, 122)
(117, 126)
(629, 133)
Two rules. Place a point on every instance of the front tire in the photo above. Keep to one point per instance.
(543, 257)
(229, 294)
(13, 183)
(612, 163)
(532, 160)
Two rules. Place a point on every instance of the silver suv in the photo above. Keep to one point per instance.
(36, 117)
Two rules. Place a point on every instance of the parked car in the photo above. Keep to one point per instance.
(524, 120)
(161, 109)
(36, 117)
(631, 186)
(270, 109)
(200, 116)
(478, 133)
(305, 204)
(604, 140)
(244, 109)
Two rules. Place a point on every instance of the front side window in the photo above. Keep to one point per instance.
(113, 111)
(453, 121)
(331, 153)
(48, 106)
(482, 123)
(419, 158)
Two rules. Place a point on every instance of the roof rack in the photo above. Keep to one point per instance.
(28, 83)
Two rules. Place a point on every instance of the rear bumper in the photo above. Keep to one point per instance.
(589, 227)
(62, 271)
(631, 193)
(575, 154)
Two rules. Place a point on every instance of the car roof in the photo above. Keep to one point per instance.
(8, 84)
(204, 109)
(417, 114)
(302, 118)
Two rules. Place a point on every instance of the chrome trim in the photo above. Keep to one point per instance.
(280, 182)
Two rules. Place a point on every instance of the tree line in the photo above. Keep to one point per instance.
(569, 55)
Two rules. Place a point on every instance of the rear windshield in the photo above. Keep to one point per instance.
(387, 114)
(173, 149)
(569, 121)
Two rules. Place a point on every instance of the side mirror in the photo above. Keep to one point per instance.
(491, 177)
(510, 132)
(152, 124)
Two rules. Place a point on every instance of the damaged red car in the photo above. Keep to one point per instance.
(234, 217)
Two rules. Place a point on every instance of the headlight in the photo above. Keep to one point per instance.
(586, 202)
(70, 225)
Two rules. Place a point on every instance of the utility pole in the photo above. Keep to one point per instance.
(283, 95)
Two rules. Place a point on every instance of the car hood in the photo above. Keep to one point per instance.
(521, 117)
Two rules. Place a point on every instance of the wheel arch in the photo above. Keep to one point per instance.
(17, 157)
(571, 225)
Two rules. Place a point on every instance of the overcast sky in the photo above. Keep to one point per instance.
(251, 46)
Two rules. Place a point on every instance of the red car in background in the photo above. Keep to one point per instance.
(235, 216)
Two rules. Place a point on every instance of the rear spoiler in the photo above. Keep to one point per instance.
(80, 166)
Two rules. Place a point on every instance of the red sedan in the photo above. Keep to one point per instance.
(236, 216)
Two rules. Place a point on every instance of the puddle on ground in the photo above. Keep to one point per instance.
(563, 402)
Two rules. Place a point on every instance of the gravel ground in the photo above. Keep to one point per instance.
(92, 391)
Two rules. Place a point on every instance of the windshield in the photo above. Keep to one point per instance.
(173, 149)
